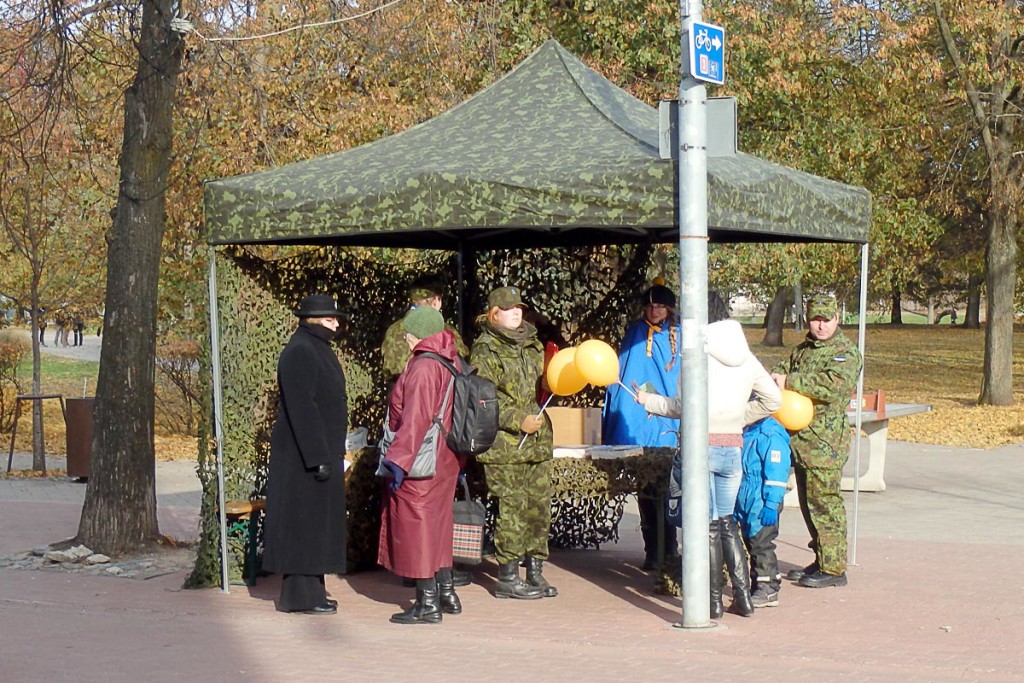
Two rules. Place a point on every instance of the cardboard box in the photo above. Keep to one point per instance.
(575, 426)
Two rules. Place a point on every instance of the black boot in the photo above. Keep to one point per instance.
(511, 586)
(535, 577)
(649, 531)
(739, 567)
(715, 569)
(450, 603)
(426, 609)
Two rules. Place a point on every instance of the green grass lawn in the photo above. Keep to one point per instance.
(61, 375)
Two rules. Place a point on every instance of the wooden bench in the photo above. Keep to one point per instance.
(875, 425)
(243, 525)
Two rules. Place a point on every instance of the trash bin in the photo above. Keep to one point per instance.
(78, 419)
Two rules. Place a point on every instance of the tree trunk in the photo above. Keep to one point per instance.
(931, 311)
(775, 317)
(38, 447)
(1000, 285)
(798, 307)
(972, 316)
(119, 513)
(896, 317)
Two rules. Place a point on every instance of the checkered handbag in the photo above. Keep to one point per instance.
(468, 532)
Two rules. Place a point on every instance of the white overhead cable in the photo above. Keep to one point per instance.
(183, 25)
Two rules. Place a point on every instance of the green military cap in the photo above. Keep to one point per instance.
(425, 287)
(506, 297)
(822, 306)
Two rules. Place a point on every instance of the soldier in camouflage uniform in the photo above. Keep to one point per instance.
(425, 290)
(825, 368)
(508, 353)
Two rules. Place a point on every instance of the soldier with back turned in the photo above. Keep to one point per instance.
(425, 290)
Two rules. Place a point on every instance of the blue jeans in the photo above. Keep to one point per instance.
(725, 471)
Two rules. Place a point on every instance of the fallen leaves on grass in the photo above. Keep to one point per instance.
(33, 474)
(937, 366)
(176, 447)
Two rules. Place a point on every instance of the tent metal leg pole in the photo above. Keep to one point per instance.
(218, 430)
(460, 278)
(861, 337)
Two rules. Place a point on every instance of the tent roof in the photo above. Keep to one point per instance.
(551, 154)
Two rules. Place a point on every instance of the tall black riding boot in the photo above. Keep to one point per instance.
(535, 577)
(715, 569)
(450, 603)
(511, 586)
(426, 609)
(739, 567)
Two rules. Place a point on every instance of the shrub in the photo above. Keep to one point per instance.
(178, 391)
(12, 350)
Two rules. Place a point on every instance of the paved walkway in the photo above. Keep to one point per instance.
(934, 597)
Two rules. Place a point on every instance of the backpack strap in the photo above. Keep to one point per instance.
(442, 360)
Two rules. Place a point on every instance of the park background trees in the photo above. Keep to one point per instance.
(871, 93)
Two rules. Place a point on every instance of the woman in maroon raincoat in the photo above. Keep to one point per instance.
(416, 519)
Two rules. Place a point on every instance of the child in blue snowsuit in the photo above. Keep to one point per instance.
(766, 462)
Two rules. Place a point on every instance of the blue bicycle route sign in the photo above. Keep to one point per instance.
(707, 53)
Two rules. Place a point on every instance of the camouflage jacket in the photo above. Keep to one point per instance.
(396, 352)
(826, 372)
(515, 367)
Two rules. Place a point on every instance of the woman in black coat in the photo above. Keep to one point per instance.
(304, 537)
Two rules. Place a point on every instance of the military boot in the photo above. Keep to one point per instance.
(511, 586)
(715, 569)
(535, 577)
(450, 603)
(739, 567)
(426, 609)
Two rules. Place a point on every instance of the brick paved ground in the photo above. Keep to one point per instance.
(934, 597)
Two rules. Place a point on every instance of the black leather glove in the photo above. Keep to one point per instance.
(322, 473)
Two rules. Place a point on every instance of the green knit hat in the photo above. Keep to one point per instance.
(422, 321)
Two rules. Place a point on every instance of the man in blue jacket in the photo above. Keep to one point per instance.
(766, 462)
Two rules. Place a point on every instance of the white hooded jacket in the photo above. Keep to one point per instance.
(740, 390)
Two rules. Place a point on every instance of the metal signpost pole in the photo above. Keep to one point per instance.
(692, 207)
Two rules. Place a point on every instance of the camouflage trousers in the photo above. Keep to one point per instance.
(523, 491)
(821, 502)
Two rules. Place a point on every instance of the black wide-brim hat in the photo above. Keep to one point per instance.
(318, 306)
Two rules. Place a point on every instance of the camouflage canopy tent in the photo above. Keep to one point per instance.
(550, 155)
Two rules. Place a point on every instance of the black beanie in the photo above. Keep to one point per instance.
(660, 294)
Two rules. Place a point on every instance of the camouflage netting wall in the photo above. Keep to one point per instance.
(586, 293)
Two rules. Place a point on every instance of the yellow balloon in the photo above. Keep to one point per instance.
(796, 411)
(563, 378)
(597, 362)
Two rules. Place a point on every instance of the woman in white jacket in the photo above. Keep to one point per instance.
(740, 391)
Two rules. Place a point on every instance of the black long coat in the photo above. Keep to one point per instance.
(305, 518)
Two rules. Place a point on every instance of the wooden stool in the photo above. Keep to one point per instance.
(17, 414)
(243, 523)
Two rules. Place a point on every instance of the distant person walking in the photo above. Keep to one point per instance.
(77, 326)
(59, 321)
